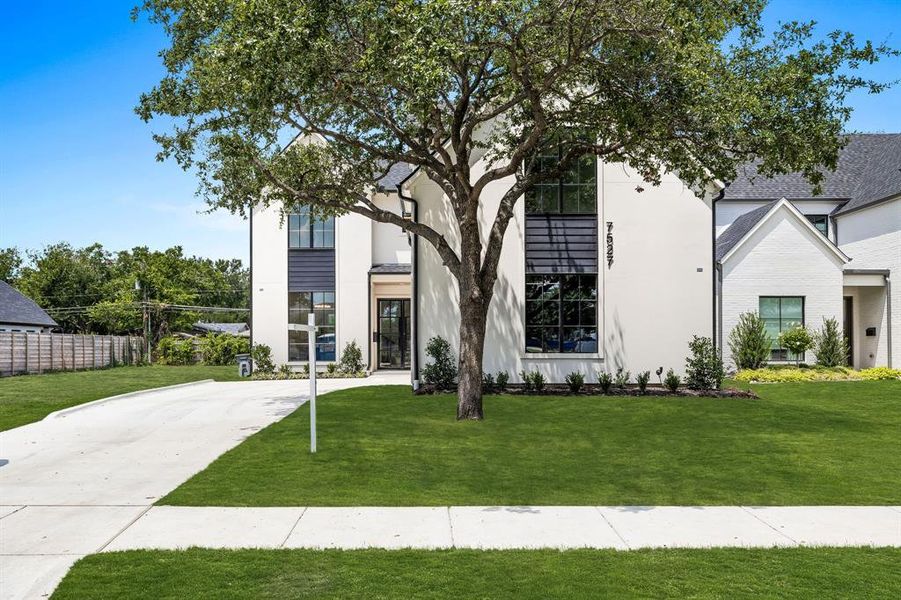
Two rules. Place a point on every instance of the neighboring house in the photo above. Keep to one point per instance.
(241, 329)
(19, 313)
(595, 275)
(799, 258)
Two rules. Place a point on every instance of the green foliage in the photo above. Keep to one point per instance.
(352, 359)
(642, 380)
(60, 276)
(502, 379)
(174, 351)
(10, 263)
(284, 371)
(442, 371)
(749, 342)
(261, 354)
(488, 383)
(830, 346)
(703, 369)
(331, 369)
(796, 340)
(622, 378)
(533, 382)
(819, 373)
(672, 381)
(605, 381)
(575, 381)
(222, 348)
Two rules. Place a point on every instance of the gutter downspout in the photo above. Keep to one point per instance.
(719, 309)
(888, 315)
(250, 278)
(414, 325)
(716, 277)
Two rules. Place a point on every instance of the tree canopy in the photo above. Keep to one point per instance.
(92, 290)
(694, 87)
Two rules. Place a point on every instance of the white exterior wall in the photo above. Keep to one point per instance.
(390, 243)
(652, 300)
(872, 238)
(353, 259)
(269, 282)
(781, 258)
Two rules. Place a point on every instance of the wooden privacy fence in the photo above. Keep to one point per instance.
(22, 353)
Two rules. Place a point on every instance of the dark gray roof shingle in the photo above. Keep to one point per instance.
(392, 268)
(18, 309)
(869, 170)
(739, 228)
(397, 173)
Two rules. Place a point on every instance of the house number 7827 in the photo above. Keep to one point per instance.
(609, 244)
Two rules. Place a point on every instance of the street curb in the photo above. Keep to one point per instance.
(65, 411)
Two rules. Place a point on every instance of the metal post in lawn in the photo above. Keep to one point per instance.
(311, 340)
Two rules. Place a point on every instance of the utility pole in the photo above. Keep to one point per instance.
(145, 309)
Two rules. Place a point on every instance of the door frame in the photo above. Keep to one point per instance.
(404, 340)
(848, 326)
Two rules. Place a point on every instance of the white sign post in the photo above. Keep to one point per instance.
(310, 328)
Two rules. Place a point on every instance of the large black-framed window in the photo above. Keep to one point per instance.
(821, 222)
(781, 313)
(575, 192)
(321, 304)
(561, 313)
(306, 231)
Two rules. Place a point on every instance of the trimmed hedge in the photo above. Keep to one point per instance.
(794, 375)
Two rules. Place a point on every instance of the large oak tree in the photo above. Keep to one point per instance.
(687, 86)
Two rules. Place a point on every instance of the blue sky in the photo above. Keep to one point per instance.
(77, 165)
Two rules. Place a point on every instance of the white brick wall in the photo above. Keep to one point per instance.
(782, 258)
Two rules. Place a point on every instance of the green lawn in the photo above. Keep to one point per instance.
(29, 398)
(810, 443)
(719, 573)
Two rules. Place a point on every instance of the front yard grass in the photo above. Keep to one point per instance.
(799, 444)
(28, 398)
(715, 573)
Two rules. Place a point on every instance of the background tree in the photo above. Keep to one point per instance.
(10, 263)
(92, 290)
(689, 86)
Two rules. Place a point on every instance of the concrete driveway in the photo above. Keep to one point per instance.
(71, 483)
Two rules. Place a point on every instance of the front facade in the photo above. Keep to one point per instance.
(799, 258)
(599, 270)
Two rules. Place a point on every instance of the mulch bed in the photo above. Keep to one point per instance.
(594, 390)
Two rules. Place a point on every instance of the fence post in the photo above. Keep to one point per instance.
(40, 353)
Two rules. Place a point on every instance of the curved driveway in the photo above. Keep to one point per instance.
(70, 483)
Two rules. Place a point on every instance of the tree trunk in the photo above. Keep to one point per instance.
(472, 345)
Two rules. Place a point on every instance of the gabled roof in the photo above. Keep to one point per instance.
(868, 171)
(395, 175)
(742, 228)
(16, 308)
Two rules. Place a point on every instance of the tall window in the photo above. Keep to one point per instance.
(304, 231)
(561, 313)
(821, 222)
(781, 313)
(322, 304)
(574, 193)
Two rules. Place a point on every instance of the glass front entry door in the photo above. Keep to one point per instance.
(394, 333)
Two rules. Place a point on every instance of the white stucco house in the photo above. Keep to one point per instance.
(599, 270)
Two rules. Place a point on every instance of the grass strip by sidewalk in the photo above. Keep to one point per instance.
(455, 574)
(28, 398)
(799, 444)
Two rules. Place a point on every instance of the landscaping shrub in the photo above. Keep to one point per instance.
(222, 348)
(879, 373)
(285, 371)
(442, 371)
(352, 359)
(173, 351)
(672, 381)
(796, 340)
(749, 342)
(575, 381)
(331, 369)
(795, 375)
(533, 382)
(704, 368)
(261, 354)
(830, 346)
(622, 378)
(605, 381)
(488, 384)
(642, 380)
(502, 379)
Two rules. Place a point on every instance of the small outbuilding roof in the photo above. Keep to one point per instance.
(17, 308)
(391, 269)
